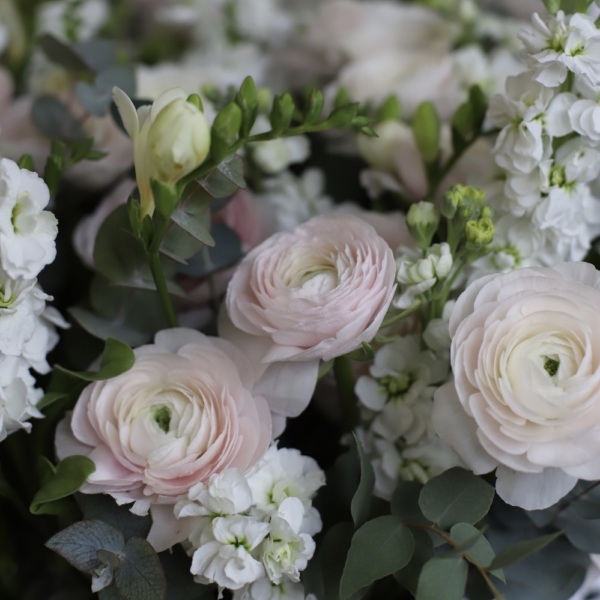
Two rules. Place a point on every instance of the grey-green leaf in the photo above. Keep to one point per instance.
(456, 496)
(515, 552)
(443, 578)
(379, 548)
(79, 543)
(473, 543)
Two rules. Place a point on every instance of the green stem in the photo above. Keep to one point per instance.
(161, 286)
(344, 378)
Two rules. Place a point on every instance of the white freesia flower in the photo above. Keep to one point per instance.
(27, 231)
(170, 139)
(18, 395)
(526, 380)
(561, 44)
(227, 560)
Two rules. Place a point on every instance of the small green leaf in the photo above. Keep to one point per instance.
(379, 548)
(165, 197)
(331, 556)
(581, 531)
(314, 107)
(390, 110)
(104, 328)
(456, 496)
(516, 552)
(117, 358)
(79, 543)
(361, 502)
(224, 131)
(226, 179)
(50, 398)
(247, 99)
(426, 128)
(26, 162)
(443, 578)
(424, 551)
(69, 476)
(342, 116)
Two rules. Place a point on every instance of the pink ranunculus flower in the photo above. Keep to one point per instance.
(526, 392)
(185, 411)
(316, 292)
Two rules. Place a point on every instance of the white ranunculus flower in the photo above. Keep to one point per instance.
(27, 231)
(524, 400)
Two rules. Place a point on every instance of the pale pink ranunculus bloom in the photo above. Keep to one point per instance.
(185, 410)
(525, 399)
(315, 292)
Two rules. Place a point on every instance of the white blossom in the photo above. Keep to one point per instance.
(265, 589)
(18, 396)
(227, 560)
(561, 44)
(27, 232)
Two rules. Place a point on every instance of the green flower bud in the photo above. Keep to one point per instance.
(479, 232)
(469, 200)
(423, 219)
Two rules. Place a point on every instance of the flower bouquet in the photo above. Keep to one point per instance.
(299, 300)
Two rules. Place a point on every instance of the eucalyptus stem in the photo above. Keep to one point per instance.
(344, 379)
(161, 286)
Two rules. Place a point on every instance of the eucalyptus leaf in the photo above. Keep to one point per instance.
(97, 97)
(226, 178)
(331, 556)
(99, 54)
(443, 577)
(424, 551)
(379, 548)
(582, 532)
(473, 543)
(104, 328)
(54, 119)
(226, 252)
(405, 503)
(62, 54)
(103, 507)
(117, 253)
(117, 358)
(70, 474)
(456, 496)
(361, 502)
(140, 575)
(519, 550)
(79, 543)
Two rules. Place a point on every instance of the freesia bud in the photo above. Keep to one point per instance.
(178, 140)
(423, 219)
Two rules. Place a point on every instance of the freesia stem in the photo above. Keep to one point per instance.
(161, 286)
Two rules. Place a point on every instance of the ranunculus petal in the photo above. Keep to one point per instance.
(533, 491)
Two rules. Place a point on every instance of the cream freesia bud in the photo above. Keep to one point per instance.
(170, 139)
(178, 140)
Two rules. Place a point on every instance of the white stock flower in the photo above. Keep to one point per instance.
(225, 493)
(292, 200)
(521, 144)
(283, 473)
(436, 334)
(27, 231)
(227, 560)
(286, 551)
(419, 271)
(265, 589)
(18, 395)
(274, 156)
(525, 359)
(563, 43)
